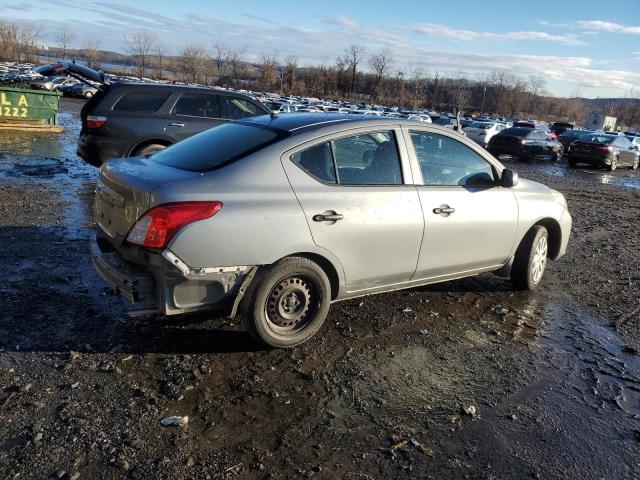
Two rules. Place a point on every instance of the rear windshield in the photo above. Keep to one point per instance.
(217, 147)
(595, 138)
(482, 125)
(516, 132)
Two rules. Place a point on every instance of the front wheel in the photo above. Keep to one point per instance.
(636, 163)
(287, 302)
(531, 259)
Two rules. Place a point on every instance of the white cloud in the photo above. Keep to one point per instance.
(341, 21)
(436, 30)
(611, 27)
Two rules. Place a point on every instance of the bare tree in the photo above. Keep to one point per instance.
(352, 57)
(234, 59)
(92, 54)
(418, 86)
(193, 62)
(28, 36)
(269, 76)
(140, 45)
(379, 63)
(291, 67)
(65, 37)
(220, 55)
(535, 85)
(161, 52)
(459, 92)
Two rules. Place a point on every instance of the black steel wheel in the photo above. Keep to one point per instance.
(287, 302)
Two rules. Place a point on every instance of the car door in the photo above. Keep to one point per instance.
(194, 112)
(627, 155)
(470, 221)
(357, 195)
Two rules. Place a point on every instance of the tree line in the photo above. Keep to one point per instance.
(356, 75)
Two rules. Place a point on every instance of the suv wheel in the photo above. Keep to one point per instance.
(287, 302)
(148, 150)
(531, 259)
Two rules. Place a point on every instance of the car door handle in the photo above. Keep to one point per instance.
(444, 210)
(327, 217)
(176, 124)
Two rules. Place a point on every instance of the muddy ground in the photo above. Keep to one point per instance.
(554, 375)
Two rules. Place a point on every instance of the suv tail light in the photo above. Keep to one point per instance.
(94, 121)
(158, 226)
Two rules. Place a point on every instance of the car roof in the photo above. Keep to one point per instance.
(173, 86)
(307, 121)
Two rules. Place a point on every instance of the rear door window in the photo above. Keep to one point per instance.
(241, 108)
(368, 159)
(204, 105)
(365, 159)
(145, 101)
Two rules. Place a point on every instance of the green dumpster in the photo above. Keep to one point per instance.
(25, 104)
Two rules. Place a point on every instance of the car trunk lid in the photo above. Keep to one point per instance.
(123, 192)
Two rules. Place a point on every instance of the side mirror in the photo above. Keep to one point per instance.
(509, 178)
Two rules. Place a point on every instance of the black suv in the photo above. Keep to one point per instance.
(132, 119)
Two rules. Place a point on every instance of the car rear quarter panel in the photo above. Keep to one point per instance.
(260, 222)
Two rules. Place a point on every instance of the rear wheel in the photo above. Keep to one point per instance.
(558, 155)
(531, 259)
(287, 302)
(148, 150)
(614, 164)
(636, 163)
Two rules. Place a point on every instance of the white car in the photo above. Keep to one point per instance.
(481, 132)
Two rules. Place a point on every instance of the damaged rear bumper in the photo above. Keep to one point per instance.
(160, 282)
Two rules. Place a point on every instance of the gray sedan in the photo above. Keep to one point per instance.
(274, 218)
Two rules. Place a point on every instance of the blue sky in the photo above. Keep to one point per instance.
(576, 46)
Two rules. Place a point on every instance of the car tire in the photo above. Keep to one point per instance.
(148, 150)
(287, 302)
(613, 165)
(530, 259)
(636, 163)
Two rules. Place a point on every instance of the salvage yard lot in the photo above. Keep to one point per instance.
(383, 392)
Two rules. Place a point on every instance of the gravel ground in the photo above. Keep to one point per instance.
(466, 379)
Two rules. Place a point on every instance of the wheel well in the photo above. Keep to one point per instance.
(555, 235)
(328, 268)
(146, 143)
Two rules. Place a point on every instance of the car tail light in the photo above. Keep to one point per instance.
(94, 121)
(158, 226)
(608, 148)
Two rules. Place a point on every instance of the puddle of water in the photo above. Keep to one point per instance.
(621, 179)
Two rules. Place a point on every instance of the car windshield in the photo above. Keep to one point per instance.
(600, 139)
(482, 125)
(217, 147)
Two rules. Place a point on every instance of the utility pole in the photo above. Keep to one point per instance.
(484, 92)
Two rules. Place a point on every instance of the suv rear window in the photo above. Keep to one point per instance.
(146, 101)
(217, 147)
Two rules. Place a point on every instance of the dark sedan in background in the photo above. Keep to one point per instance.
(604, 150)
(525, 143)
(567, 137)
